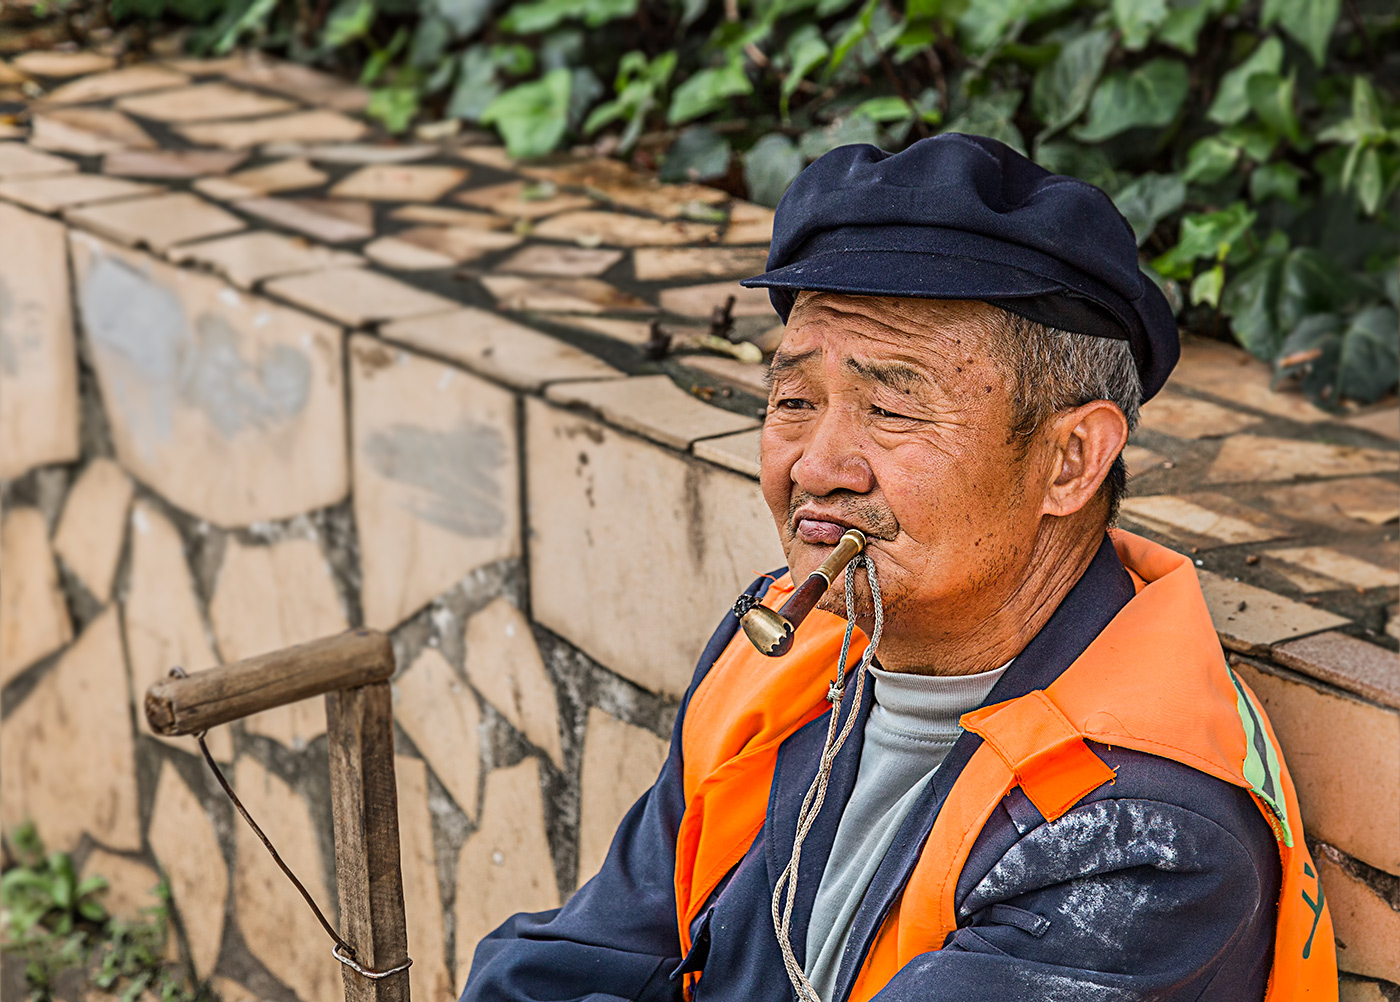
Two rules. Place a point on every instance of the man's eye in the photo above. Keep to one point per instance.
(881, 412)
(793, 404)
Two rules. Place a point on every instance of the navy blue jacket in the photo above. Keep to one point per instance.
(1162, 885)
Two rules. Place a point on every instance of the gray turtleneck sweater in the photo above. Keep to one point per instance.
(912, 726)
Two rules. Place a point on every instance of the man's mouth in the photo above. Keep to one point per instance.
(819, 528)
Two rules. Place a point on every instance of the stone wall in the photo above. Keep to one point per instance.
(213, 445)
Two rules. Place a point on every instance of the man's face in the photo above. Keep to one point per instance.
(890, 416)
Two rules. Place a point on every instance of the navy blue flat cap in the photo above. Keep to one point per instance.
(966, 217)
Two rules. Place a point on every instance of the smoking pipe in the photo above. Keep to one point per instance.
(771, 632)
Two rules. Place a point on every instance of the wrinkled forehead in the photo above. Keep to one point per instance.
(934, 327)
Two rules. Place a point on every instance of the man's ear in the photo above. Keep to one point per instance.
(1084, 442)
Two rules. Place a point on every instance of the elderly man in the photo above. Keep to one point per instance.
(1054, 787)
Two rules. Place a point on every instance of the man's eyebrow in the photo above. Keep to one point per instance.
(782, 364)
(896, 375)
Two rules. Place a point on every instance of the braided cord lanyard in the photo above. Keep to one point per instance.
(816, 793)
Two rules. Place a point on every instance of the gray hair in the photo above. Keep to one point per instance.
(1052, 370)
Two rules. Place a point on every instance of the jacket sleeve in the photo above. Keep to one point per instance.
(1119, 900)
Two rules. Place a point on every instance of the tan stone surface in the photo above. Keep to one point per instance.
(62, 191)
(128, 80)
(620, 763)
(18, 160)
(1256, 457)
(624, 186)
(1348, 790)
(556, 259)
(38, 360)
(229, 990)
(277, 926)
(610, 516)
(197, 66)
(87, 132)
(459, 243)
(400, 183)
(131, 885)
(749, 224)
(247, 258)
(1366, 669)
(164, 627)
(281, 175)
(658, 264)
(502, 349)
(171, 164)
(270, 597)
(654, 407)
(505, 867)
(429, 977)
(703, 300)
(436, 477)
(53, 63)
(357, 296)
(441, 717)
(522, 200)
(1351, 505)
(1342, 569)
(614, 229)
(747, 376)
(1140, 460)
(158, 223)
(627, 331)
(90, 533)
(302, 83)
(400, 255)
(352, 153)
(562, 295)
(33, 614)
(66, 753)
(439, 215)
(203, 103)
(307, 216)
(1236, 377)
(738, 452)
(505, 666)
(488, 156)
(320, 125)
(1384, 422)
(1368, 929)
(1265, 618)
(1361, 991)
(1187, 417)
(185, 843)
(228, 405)
(1200, 519)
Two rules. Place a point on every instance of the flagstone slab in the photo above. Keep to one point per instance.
(1250, 619)
(620, 763)
(92, 529)
(1139, 460)
(33, 614)
(312, 217)
(159, 222)
(429, 977)
(131, 886)
(400, 255)
(269, 179)
(87, 132)
(1231, 374)
(561, 295)
(228, 405)
(623, 185)
(20, 160)
(1368, 670)
(320, 124)
(746, 376)
(653, 407)
(488, 155)
(1258, 457)
(1367, 927)
(610, 516)
(738, 452)
(116, 83)
(590, 228)
(1341, 570)
(186, 844)
(199, 66)
(555, 259)
(626, 331)
(440, 715)
(458, 243)
(400, 183)
(351, 153)
(662, 264)
(357, 296)
(436, 477)
(1384, 422)
(748, 224)
(247, 258)
(1181, 416)
(39, 417)
(498, 348)
(1202, 520)
(505, 866)
(505, 666)
(66, 758)
(438, 215)
(64, 191)
(171, 165)
(276, 925)
(1354, 504)
(164, 625)
(300, 82)
(271, 597)
(522, 200)
(704, 300)
(54, 63)
(204, 102)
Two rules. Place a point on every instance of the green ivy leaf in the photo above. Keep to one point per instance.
(1205, 234)
(1309, 22)
(1148, 200)
(1205, 287)
(1150, 95)
(1278, 180)
(1210, 160)
(542, 15)
(698, 153)
(395, 106)
(708, 91)
(1369, 182)
(349, 22)
(1062, 88)
(1257, 140)
(848, 131)
(465, 16)
(1312, 282)
(1341, 359)
(1183, 25)
(1250, 300)
(1088, 163)
(805, 51)
(770, 167)
(1232, 99)
(533, 117)
(1271, 97)
(476, 84)
(855, 31)
(1137, 20)
(884, 109)
(991, 115)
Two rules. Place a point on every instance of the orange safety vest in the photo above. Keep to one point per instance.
(1155, 680)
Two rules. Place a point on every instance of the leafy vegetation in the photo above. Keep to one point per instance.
(1254, 145)
(55, 922)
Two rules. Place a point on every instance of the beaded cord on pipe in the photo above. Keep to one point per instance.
(816, 793)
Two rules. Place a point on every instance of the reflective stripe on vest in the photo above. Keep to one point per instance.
(1189, 708)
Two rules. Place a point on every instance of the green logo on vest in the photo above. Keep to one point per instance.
(1261, 765)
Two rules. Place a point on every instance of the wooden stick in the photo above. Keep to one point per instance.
(364, 804)
(208, 698)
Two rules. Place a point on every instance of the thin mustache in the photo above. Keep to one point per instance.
(874, 520)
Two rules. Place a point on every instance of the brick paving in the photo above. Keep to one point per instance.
(307, 376)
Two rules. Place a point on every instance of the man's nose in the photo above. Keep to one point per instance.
(832, 458)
